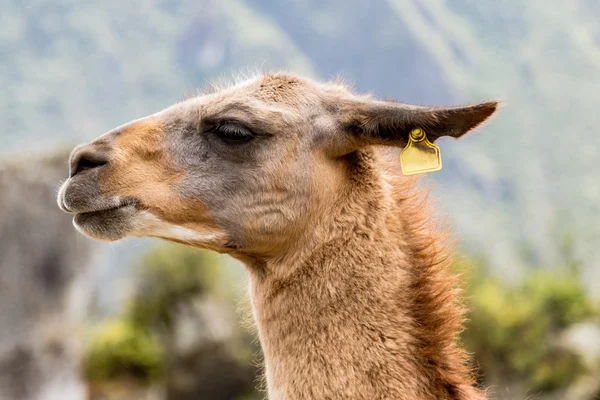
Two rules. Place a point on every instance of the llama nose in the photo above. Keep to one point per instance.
(86, 157)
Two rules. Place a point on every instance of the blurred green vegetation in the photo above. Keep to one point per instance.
(513, 329)
(121, 349)
(124, 345)
(142, 345)
(169, 275)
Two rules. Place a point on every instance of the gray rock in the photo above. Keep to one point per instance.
(43, 285)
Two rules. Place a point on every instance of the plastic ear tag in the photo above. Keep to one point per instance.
(419, 155)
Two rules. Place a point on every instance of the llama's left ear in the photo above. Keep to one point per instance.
(389, 123)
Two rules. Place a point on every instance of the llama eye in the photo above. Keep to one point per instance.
(233, 133)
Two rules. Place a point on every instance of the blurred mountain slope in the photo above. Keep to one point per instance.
(518, 192)
(541, 153)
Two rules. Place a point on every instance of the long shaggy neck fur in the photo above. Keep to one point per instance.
(370, 311)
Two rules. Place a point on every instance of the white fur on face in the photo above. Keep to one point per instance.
(148, 224)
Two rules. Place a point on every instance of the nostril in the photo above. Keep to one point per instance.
(84, 162)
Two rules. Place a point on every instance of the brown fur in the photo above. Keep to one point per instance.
(396, 316)
(350, 281)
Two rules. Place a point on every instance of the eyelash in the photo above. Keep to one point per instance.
(233, 133)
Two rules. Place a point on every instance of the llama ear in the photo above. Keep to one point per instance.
(389, 123)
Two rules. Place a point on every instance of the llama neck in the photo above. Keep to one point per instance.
(367, 314)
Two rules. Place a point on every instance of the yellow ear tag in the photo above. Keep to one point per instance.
(419, 155)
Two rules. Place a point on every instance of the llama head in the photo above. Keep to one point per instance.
(242, 169)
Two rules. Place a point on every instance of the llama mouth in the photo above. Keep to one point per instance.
(106, 216)
(101, 211)
(108, 224)
(98, 212)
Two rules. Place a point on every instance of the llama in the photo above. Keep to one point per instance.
(349, 281)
